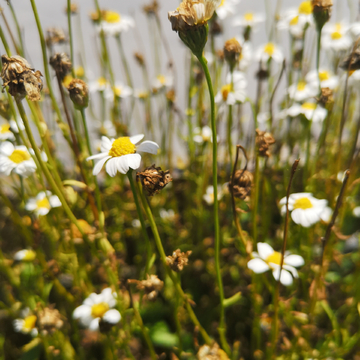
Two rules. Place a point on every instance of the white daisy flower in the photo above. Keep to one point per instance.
(119, 90)
(101, 84)
(163, 81)
(113, 23)
(209, 195)
(305, 209)
(43, 203)
(336, 37)
(269, 51)
(120, 154)
(25, 255)
(302, 91)
(5, 131)
(356, 211)
(310, 110)
(268, 259)
(106, 128)
(26, 325)
(248, 19)
(226, 8)
(167, 215)
(246, 56)
(141, 94)
(327, 79)
(231, 94)
(14, 127)
(96, 308)
(17, 159)
(136, 224)
(202, 135)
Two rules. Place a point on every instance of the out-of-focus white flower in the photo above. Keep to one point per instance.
(26, 324)
(302, 91)
(246, 56)
(113, 23)
(167, 215)
(14, 127)
(269, 51)
(209, 195)
(141, 94)
(101, 84)
(96, 308)
(310, 110)
(268, 259)
(121, 155)
(5, 131)
(25, 255)
(327, 80)
(248, 19)
(355, 29)
(43, 203)
(305, 209)
(356, 211)
(336, 37)
(229, 94)
(107, 128)
(136, 223)
(119, 90)
(226, 8)
(326, 215)
(203, 134)
(163, 81)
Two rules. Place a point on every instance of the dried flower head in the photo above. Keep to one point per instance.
(151, 8)
(153, 179)
(263, 141)
(21, 78)
(232, 52)
(79, 93)
(241, 184)
(171, 96)
(326, 97)
(352, 61)
(61, 63)
(74, 8)
(55, 35)
(178, 260)
(215, 28)
(49, 320)
(151, 286)
(139, 58)
(211, 353)
(321, 11)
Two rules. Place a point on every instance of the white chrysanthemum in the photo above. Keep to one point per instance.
(231, 94)
(96, 308)
(302, 91)
(269, 51)
(119, 90)
(203, 134)
(268, 259)
(17, 159)
(101, 84)
(226, 8)
(163, 81)
(5, 131)
(336, 37)
(209, 195)
(248, 19)
(43, 203)
(25, 255)
(14, 127)
(120, 154)
(305, 209)
(113, 23)
(167, 215)
(26, 325)
(327, 79)
(310, 110)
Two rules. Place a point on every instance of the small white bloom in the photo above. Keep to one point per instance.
(326, 214)
(327, 80)
(268, 259)
(25, 255)
(167, 215)
(229, 94)
(113, 23)
(5, 131)
(26, 324)
(119, 90)
(356, 211)
(120, 155)
(302, 91)
(269, 51)
(14, 127)
(96, 308)
(107, 128)
(336, 37)
(101, 84)
(136, 224)
(162, 82)
(209, 195)
(43, 203)
(226, 8)
(310, 110)
(246, 56)
(203, 134)
(248, 19)
(305, 209)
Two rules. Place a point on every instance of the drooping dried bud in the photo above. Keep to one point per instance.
(241, 184)
(49, 320)
(79, 93)
(55, 36)
(262, 74)
(321, 12)
(178, 260)
(211, 353)
(151, 8)
(220, 55)
(263, 141)
(170, 96)
(139, 58)
(73, 9)
(61, 64)
(21, 78)
(351, 62)
(326, 98)
(215, 28)
(151, 286)
(232, 52)
(153, 179)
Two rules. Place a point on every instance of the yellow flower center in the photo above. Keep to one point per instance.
(351, 72)
(43, 203)
(122, 146)
(301, 86)
(294, 21)
(161, 79)
(112, 17)
(249, 16)
(30, 255)
(274, 258)
(5, 129)
(117, 91)
(102, 81)
(303, 203)
(269, 49)
(336, 35)
(67, 80)
(143, 95)
(18, 156)
(225, 90)
(29, 323)
(222, 3)
(305, 8)
(79, 71)
(308, 106)
(98, 310)
(324, 75)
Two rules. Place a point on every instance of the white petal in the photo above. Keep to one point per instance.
(31, 205)
(98, 166)
(292, 270)
(106, 144)
(82, 311)
(98, 156)
(7, 148)
(294, 260)
(136, 138)
(150, 147)
(94, 324)
(42, 211)
(133, 160)
(264, 250)
(286, 278)
(111, 166)
(112, 316)
(122, 164)
(54, 201)
(299, 217)
(258, 266)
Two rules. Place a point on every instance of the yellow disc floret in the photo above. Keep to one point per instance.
(308, 106)
(249, 16)
(43, 203)
(301, 86)
(98, 310)
(305, 8)
(303, 203)
(269, 49)
(274, 258)
(5, 129)
(18, 156)
(324, 75)
(122, 146)
(29, 323)
(112, 17)
(29, 255)
(294, 21)
(225, 90)
(336, 35)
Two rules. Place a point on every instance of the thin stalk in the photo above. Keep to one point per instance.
(189, 114)
(17, 27)
(10, 32)
(70, 38)
(124, 61)
(4, 41)
(256, 196)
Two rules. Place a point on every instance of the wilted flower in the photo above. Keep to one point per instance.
(49, 320)
(120, 155)
(43, 203)
(241, 184)
(263, 141)
(268, 259)
(55, 35)
(25, 255)
(153, 179)
(79, 93)
(310, 110)
(232, 52)
(352, 61)
(74, 8)
(27, 324)
(178, 260)
(61, 63)
(151, 286)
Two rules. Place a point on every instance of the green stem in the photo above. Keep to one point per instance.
(71, 38)
(256, 196)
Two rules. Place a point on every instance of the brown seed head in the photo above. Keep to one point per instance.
(21, 78)
(55, 35)
(321, 11)
(153, 179)
(74, 8)
(170, 96)
(211, 353)
(178, 260)
(49, 320)
(241, 184)
(326, 97)
(263, 141)
(352, 61)
(139, 58)
(232, 52)
(151, 8)
(61, 63)
(151, 286)
(79, 93)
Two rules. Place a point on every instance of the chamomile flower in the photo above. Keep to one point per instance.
(230, 94)
(119, 90)
(209, 195)
(120, 154)
(112, 23)
(356, 211)
(163, 81)
(248, 19)
(25, 255)
(305, 209)
(310, 110)
(42, 203)
(268, 259)
(101, 84)
(27, 324)
(269, 51)
(226, 8)
(96, 308)
(302, 91)
(14, 126)
(336, 37)
(5, 131)
(327, 79)
(202, 135)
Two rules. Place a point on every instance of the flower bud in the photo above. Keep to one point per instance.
(232, 52)
(321, 12)
(263, 141)
(79, 93)
(61, 63)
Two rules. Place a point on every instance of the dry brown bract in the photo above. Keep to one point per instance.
(79, 93)
(49, 320)
(241, 184)
(178, 260)
(351, 62)
(61, 64)
(326, 97)
(232, 51)
(21, 78)
(55, 36)
(263, 141)
(211, 353)
(320, 5)
(139, 58)
(152, 8)
(151, 286)
(321, 11)
(153, 179)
